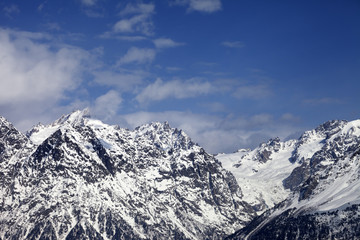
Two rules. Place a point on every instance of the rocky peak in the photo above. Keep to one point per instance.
(74, 119)
(265, 150)
(330, 128)
(164, 137)
(11, 140)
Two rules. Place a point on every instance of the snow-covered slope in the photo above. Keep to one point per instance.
(79, 178)
(261, 172)
(325, 189)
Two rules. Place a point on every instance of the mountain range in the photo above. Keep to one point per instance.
(79, 178)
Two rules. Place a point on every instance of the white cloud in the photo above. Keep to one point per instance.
(124, 80)
(160, 90)
(141, 8)
(125, 25)
(106, 106)
(138, 55)
(208, 6)
(139, 23)
(31, 71)
(173, 69)
(88, 3)
(131, 38)
(139, 20)
(92, 8)
(290, 117)
(205, 5)
(252, 92)
(233, 44)
(36, 76)
(215, 107)
(166, 43)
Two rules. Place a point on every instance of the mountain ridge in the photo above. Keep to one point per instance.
(80, 178)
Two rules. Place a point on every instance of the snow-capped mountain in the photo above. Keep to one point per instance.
(79, 178)
(317, 177)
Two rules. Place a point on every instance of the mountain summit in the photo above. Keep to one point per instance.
(79, 178)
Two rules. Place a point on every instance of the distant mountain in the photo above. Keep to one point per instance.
(79, 178)
(306, 189)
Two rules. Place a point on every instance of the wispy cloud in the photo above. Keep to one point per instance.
(139, 23)
(11, 10)
(207, 6)
(173, 69)
(178, 89)
(136, 19)
(290, 117)
(138, 56)
(140, 8)
(88, 2)
(107, 105)
(233, 44)
(322, 101)
(166, 43)
(131, 38)
(123, 80)
(92, 8)
(52, 26)
(252, 92)
(215, 107)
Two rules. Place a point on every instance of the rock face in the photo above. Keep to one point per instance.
(323, 200)
(79, 178)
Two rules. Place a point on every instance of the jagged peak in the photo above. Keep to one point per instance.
(154, 125)
(34, 129)
(160, 128)
(4, 121)
(6, 124)
(75, 118)
(40, 132)
(163, 135)
(331, 127)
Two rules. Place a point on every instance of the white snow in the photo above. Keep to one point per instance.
(261, 182)
(313, 143)
(352, 128)
(43, 133)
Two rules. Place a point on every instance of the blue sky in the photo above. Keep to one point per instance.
(230, 73)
